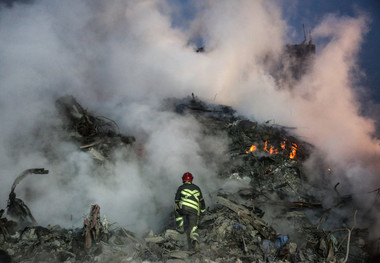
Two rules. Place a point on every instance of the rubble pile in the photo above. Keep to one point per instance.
(226, 236)
(266, 211)
(98, 135)
(54, 244)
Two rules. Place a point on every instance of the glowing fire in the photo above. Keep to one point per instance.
(294, 151)
(252, 149)
(273, 151)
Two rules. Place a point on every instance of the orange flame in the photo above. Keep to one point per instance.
(292, 154)
(251, 149)
(273, 151)
(267, 171)
(266, 146)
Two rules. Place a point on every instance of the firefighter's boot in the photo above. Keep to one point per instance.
(180, 229)
(195, 244)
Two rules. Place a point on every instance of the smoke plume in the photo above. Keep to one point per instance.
(122, 58)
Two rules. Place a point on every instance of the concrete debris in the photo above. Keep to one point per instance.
(263, 212)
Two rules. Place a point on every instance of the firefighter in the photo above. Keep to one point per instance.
(189, 205)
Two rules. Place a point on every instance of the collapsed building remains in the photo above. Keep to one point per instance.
(97, 135)
(264, 173)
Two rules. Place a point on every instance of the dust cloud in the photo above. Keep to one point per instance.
(121, 58)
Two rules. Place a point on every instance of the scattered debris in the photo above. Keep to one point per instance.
(239, 225)
(98, 135)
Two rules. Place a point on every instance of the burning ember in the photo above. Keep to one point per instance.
(251, 149)
(293, 152)
(273, 151)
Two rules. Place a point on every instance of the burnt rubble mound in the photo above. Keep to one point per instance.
(97, 135)
(266, 211)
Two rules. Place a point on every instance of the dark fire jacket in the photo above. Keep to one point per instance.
(189, 194)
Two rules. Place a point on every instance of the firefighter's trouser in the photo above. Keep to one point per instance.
(189, 216)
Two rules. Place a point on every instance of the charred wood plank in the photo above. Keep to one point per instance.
(307, 205)
(291, 204)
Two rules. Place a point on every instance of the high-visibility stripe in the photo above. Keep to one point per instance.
(190, 205)
(184, 200)
(190, 198)
(183, 192)
(191, 191)
(194, 235)
(189, 201)
(188, 193)
(179, 221)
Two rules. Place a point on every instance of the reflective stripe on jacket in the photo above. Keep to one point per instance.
(190, 195)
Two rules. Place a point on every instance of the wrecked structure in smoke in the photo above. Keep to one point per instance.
(295, 61)
(264, 173)
(97, 135)
(299, 57)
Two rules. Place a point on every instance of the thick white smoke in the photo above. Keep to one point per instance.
(121, 58)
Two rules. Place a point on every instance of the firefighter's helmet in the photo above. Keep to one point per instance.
(187, 177)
